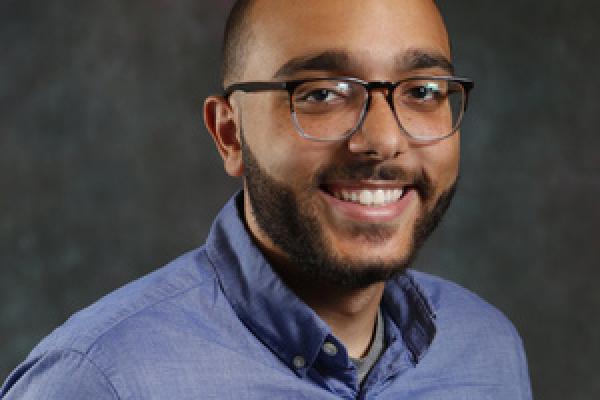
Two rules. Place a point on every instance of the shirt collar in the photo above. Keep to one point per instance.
(278, 318)
(412, 314)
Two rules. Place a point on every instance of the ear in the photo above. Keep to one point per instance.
(220, 121)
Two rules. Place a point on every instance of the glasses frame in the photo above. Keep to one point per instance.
(290, 86)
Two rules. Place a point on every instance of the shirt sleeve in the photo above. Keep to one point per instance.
(525, 382)
(58, 375)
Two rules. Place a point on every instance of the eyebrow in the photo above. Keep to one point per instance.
(341, 61)
(326, 61)
(419, 59)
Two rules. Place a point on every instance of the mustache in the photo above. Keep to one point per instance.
(418, 179)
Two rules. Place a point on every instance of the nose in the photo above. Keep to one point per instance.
(379, 137)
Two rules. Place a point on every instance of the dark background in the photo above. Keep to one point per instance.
(106, 171)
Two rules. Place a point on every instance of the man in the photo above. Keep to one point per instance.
(342, 117)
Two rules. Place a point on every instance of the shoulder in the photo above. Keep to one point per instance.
(460, 324)
(107, 330)
(120, 324)
(58, 374)
(473, 331)
(459, 306)
(167, 285)
(468, 326)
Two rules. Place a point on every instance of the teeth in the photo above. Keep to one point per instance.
(366, 197)
(377, 197)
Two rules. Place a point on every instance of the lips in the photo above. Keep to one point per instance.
(369, 197)
(367, 193)
(368, 201)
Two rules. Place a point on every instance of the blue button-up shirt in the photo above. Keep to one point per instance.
(218, 323)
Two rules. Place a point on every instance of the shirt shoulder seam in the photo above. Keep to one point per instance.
(99, 337)
(85, 357)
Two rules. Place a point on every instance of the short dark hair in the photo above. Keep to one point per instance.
(235, 40)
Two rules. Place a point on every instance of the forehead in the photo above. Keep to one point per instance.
(375, 34)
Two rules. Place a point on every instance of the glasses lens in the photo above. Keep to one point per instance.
(328, 109)
(429, 109)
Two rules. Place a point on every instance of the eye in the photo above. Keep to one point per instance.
(424, 95)
(320, 95)
(323, 92)
(427, 91)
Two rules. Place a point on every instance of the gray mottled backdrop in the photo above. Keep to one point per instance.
(106, 172)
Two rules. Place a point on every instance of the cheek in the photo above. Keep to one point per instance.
(441, 161)
(266, 131)
(280, 150)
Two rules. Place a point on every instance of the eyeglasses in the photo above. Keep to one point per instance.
(426, 108)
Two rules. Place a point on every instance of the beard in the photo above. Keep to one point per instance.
(291, 222)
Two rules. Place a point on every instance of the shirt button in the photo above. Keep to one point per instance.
(299, 362)
(330, 349)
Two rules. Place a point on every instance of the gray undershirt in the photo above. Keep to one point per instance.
(364, 364)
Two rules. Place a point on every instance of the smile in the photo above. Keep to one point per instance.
(367, 193)
(369, 197)
(368, 201)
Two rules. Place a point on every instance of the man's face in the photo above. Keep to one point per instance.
(293, 185)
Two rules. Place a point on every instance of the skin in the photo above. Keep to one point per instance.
(375, 38)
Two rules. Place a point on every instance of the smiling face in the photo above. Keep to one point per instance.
(354, 211)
